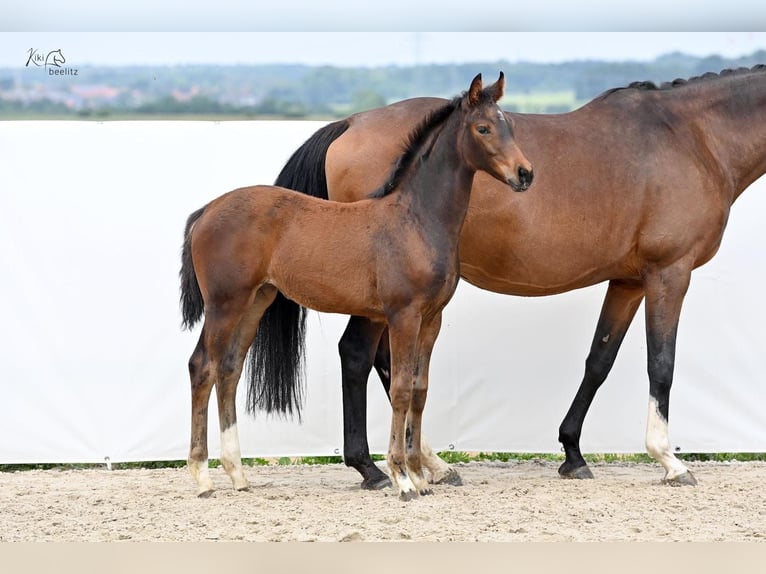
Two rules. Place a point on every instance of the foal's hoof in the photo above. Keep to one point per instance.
(579, 473)
(409, 495)
(378, 483)
(243, 488)
(426, 492)
(451, 477)
(205, 493)
(685, 479)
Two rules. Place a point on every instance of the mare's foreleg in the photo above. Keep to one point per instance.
(617, 312)
(357, 347)
(665, 291)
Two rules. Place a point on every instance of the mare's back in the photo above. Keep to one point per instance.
(360, 160)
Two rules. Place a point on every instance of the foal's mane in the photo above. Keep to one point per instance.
(416, 139)
(646, 85)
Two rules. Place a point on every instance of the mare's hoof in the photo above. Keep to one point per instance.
(378, 483)
(243, 488)
(579, 473)
(409, 495)
(685, 479)
(205, 494)
(426, 492)
(451, 477)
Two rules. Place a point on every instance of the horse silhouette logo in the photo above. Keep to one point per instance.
(53, 58)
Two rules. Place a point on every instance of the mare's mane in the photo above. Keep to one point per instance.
(646, 85)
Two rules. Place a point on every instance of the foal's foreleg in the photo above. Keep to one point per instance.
(403, 335)
(441, 472)
(428, 332)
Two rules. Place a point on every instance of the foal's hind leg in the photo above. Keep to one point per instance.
(226, 390)
(211, 364)
(218, 360)
(620, 305)
(201, 385)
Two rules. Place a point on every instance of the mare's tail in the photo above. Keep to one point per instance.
(277, 354)
(192, 305)
(304, 171)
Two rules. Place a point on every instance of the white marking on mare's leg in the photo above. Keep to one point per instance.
(231, 458)
(658, 442)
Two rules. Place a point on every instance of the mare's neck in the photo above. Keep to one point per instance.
(732, 118)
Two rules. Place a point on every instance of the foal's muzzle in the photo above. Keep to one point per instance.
(525, 177)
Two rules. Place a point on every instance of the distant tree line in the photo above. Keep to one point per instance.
(321, 91)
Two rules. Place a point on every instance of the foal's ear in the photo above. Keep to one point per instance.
(474, 92)
(497, 89)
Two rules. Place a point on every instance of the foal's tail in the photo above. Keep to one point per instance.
(277, 355)
(192, 305)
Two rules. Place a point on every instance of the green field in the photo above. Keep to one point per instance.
(450, 457)
(529, 103)
(540, 102)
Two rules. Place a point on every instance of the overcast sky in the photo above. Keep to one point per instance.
(384, 15)
(369, 48)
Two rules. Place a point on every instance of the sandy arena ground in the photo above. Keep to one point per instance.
(515, 501)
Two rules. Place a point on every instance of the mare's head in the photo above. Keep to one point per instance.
(487, 142)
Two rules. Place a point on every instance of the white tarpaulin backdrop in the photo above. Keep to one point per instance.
(94, 360)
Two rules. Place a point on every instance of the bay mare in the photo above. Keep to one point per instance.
(391, 258)
(633, 188)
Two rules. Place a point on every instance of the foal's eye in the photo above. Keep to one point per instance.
(483, 130)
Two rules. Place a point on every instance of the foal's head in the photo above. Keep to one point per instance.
(487, 143)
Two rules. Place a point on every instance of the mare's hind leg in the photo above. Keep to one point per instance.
(619, 307)
(201, 385)
(226, 390)
(665, 291)
(441, 472)
(357, 348)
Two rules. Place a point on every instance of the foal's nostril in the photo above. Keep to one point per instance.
(525, 177)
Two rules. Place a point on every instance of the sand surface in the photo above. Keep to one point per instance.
(514, 501)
